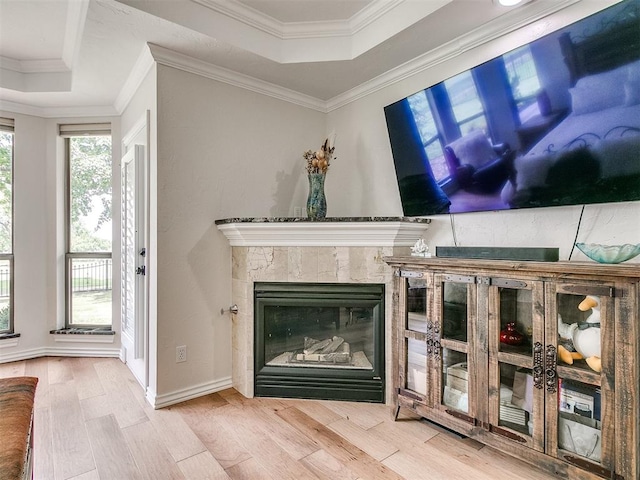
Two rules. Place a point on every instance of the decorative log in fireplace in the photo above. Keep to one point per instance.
(319, 340)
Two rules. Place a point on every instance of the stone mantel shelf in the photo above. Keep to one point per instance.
(326, 232)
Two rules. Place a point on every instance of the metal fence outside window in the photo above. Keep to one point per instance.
(86, 277)
(5, 282)
(91, 276)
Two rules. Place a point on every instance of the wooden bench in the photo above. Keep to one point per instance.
(16, 427)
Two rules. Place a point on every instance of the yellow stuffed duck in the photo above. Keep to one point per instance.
(585, 336)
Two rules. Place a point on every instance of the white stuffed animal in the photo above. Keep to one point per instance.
(585, 336)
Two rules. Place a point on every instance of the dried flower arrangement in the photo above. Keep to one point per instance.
(319, 161)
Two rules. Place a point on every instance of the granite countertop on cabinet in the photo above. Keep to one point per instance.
(326, 219)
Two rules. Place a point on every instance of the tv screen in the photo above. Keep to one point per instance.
(554, 122)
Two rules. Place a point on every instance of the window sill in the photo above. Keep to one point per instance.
(87, 335)
(9, 340)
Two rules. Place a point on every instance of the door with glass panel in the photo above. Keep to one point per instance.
(451, 347)
(417, 323)
(516, 363)
(580, 367)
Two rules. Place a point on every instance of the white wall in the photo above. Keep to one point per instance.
(142, 101)
(222, 152)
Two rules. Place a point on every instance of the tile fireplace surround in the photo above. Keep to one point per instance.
(332, 250)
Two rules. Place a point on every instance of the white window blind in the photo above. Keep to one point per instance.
(6, 124)
(85, 130)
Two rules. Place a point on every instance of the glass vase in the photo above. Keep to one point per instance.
(316, 202)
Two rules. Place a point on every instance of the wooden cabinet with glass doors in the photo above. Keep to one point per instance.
(540, 360)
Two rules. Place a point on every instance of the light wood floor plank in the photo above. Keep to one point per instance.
(376, 446)
(215, 436)
(39, 367)
(202, 467)
(176, 435)
(113, 434)
(71, 451)
(248, 470)
(436, 464)
(327, 467)
(116, 384)
(273, 404)
(113, 458)
(96, 407)
(43, 461)
(274, 459)
(149, 452)
(490, 461)
(60, 370)
(287, 437)
(366, 418)
(403, 431)
(350, 455)
(12, 369)
(413, 467)
(87, 381)
(317, 411)
(201, 406)
(92, 475)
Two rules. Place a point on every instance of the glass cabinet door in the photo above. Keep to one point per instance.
(579, 374)
(516, 333)
(453, 345)
(414, 337)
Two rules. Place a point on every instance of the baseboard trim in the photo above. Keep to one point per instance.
(177, 396)
(59, 352)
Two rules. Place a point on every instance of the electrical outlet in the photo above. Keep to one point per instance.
(181, 354)
(297, 211)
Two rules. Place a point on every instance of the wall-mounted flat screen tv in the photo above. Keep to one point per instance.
(553, 122)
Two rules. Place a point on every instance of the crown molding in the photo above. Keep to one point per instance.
(141, 68)
(183, 62)
(51, 74)
(497, 28)
(58, 112)
(34, 66)
(292, 30)
(76, 17)
(373, 12)
(293, 42)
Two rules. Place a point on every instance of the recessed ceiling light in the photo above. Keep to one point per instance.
(509, 3)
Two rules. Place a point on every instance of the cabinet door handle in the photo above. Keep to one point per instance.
(550, 371)
(436, 349)
(538, 365)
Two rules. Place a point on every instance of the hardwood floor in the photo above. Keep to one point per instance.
(92, 422)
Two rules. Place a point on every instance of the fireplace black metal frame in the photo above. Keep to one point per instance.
(318, 382)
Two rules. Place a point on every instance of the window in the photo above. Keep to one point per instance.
(89, 233)
(452, 108)
(524, 82)
(426, 123)
(465, 102)
(6, 225)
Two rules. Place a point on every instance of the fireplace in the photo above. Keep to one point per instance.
(319, 340)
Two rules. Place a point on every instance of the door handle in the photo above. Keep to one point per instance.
(141, 270)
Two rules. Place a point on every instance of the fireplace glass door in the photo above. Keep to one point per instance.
(319, 341)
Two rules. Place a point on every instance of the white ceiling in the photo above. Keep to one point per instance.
(76, 56)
